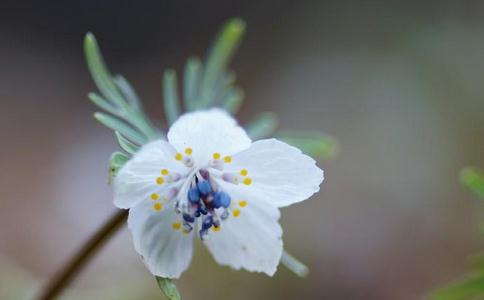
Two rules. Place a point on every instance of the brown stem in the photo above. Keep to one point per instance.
(82, 257)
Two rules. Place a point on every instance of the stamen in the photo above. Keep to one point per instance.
(216, 156)
(244, 172)
(164, 172)
(178, 156)
(242, 203)
(155, 196)
(227, 159)
(221, 199)
(247, 181)
(236, 213)
(230, 177)
(157, 206)
(176, 225)
(204, 187)
(160, 180)
(194, 195)
(188, 151)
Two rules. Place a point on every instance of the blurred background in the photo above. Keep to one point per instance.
(398, 83)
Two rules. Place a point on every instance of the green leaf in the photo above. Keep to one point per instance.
(99, 71)
(168, 288)
(103, 103)
(232, 100)
(313, 143)
(126, 144)
(467, 289)
(191, 82)
(219, 55)
(294, 265)
(264, 125)
(170, 96)
(128, 91)
(474, 180)
(116, 161)
(123, 128)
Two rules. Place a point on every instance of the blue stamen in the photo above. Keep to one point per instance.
(207, 223)
(221, 199)
(188, 218)
(204, 187)
(194, 195)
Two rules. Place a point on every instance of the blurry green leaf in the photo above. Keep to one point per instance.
(219, 55)
(474, 180)
(232, 100)
(103, 103)
(313, 143)
(170, 96)
(116, 161)
(294, 265)
(264, 125)
(123, 128)
(191, 82)
(466, 289)
(168, 288)
(126, 144)
(99, 72)
(128, 91)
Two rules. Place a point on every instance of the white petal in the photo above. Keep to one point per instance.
(136, 180)
(252, 240)
(281, 174)
(166, 252)
(208, 132)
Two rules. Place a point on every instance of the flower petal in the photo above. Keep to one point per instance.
(165, 249)
(136, 180)
(251, 238)
(279, 173)
(208, 132)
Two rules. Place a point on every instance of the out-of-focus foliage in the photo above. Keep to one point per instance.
(474, 180)
(472, 285)
(205, 84)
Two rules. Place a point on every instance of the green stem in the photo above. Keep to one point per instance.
(77, 262)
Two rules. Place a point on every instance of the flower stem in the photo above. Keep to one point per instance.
(83, 255)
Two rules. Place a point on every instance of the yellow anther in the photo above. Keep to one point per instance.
(236, 213)
(178, 156)
(243, 203)
(164, 172)
(188, 151)
(157, 206)
(155, 196)
(214, 228)
(160, 180)
(247, 181)
(216, 155)
(244, 172)
(176, 226)
(227, 159)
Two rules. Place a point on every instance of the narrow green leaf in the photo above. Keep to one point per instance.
(103, 103)
(294, 265)
(116, 161)
(126, 144)
(469, 288)
(99, 72)
(232, 100)
(168, 288)
(312, 143)
(191, 82)
(170, 96)
(123, 128)
(128, 91)
(262, 126)
(473, 179)
(219, 55)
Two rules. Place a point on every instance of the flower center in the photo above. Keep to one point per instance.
(199, 200)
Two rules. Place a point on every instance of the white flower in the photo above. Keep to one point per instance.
(210, 180)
